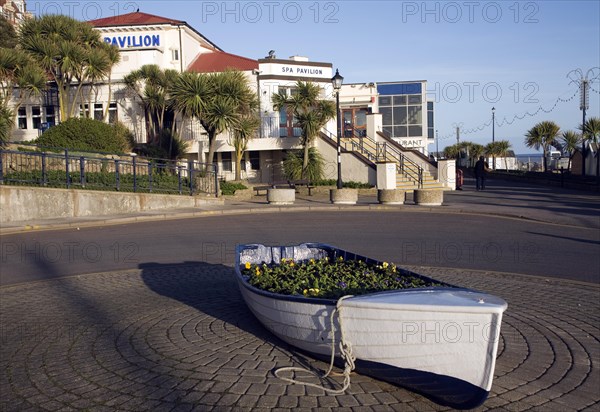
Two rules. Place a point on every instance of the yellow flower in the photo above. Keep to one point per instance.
(248, 265)
(292, 263)
(385, 265)
(305, 292)
(312, 261)
(283, 260)
(257, 271)
(341, 259)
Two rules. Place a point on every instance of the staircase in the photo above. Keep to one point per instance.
(409, 174)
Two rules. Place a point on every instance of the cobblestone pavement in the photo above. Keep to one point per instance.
(179, 338)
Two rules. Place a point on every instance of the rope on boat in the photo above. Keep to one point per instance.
(345, 350)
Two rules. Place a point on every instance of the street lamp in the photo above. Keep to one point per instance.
(337, 81)
(493, 135)
(493, 124)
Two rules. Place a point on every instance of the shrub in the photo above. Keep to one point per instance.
(292, 166)
(87, 135)
(229, 188)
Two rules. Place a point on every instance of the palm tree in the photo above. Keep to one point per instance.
(571, 141)
(542, 135)
(591, 134)
(114, 57)
(503, 151)
(475, 150)
(217, 100)
(18, 71)
(451, 152)
(62, 45)
(310, 112)
(7, 122)
(152, 86)
(245, 129)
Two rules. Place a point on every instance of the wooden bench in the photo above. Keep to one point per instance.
(301, 182)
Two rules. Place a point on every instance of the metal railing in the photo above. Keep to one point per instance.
(123, 173)
(379, 152)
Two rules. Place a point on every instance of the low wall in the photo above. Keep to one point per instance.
(19, 203)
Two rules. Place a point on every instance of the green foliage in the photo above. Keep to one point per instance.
(293, 166)
(87, 134)
(6, 123)
(350, 184)
(330, 279)
(8, 36)
(229, 188)
(161, 181)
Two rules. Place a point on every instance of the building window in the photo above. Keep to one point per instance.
(98, 112)
(175, 55)
(112, 113)
(430, 126)
(22, 118)
(50, 116)
(83, 110)
(254, 160)
(401, 107)
(36, 117)
(226, 161)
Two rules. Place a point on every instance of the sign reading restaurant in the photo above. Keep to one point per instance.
(140, 40)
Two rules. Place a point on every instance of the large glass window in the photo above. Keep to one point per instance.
(112, 113)
(430, 126)
(401, 108)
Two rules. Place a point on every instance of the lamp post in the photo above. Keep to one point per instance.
(494, 135)
(337, 81)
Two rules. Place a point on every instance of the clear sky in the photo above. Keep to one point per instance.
(475, 55)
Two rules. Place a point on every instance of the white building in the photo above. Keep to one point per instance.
(390, 115)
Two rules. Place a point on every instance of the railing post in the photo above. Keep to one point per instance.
(82, 171)
(117, 178)
(179, 177)
(216, 172)
(67, 168)
(150, 176)
(44, 173)
(134, 174)
(191, 176)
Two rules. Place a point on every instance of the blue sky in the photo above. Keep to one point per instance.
(511, 55)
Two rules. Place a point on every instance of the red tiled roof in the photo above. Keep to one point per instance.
(133, 19)
(220, 61)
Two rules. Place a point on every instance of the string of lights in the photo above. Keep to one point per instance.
(595, 71)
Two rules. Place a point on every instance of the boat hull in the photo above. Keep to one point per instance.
(441, 342)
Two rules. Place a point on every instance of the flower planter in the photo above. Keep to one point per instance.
(343, 196)
(429, 197)
(391, 196)
(440, 340)
(281, 196)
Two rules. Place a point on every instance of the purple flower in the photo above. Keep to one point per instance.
(342, 285)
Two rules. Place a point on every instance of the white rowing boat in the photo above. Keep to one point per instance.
(439, 341)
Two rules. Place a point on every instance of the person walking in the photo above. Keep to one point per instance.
(481, 169)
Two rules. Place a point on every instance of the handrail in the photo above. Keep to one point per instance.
(378, 152)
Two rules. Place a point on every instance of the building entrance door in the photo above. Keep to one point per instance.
(355, 122)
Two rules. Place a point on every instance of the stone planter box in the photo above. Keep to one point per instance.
(343, 196)
(391, 196)
(281, 196)
(429, 197)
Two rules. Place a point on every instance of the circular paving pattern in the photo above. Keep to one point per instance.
(181, 338)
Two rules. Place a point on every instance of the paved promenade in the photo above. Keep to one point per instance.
(180, 338)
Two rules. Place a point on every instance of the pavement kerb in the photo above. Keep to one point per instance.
(118, 220)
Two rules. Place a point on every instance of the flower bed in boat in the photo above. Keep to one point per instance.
(331, 278)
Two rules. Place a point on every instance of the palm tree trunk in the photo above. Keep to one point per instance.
(238, 165)
(305, 162)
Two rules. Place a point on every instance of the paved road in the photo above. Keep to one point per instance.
(428, 239)
(161, 325)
